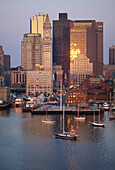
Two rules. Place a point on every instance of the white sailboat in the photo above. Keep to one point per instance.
(48, 121)
(78, 117)
(97, 123)
(66, 135)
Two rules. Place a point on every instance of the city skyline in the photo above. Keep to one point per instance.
(15, 21)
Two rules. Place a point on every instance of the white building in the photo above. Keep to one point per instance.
(39, 81)
(80, 68)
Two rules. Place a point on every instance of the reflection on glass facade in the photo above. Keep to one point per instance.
(80, 68)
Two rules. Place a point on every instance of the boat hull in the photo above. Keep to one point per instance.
(48, 121)
(112, 118)
(66, 136)
(97, 124)
(80, 118)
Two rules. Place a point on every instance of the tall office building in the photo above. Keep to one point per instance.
(86, 37)
(37, 23)
(7, 62)
(31, 51)
(61, 42)
(112, 55)
(1, 56)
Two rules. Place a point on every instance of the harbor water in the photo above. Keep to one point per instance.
(27, 143)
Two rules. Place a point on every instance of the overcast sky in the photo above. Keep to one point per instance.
(15, 20)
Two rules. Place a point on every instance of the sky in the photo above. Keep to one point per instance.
(15, 20)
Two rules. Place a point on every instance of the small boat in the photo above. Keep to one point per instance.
(105, 106)
(47, 120)
(18, 102)
(66, 135)
(78, 117)
(97, 123)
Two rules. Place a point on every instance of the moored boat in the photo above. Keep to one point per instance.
(97, 123)
(106, 106)
(79, 117)
(66, 135)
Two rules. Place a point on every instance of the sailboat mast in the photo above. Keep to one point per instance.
(99, 116)
(78, 110)
(61, 95)
(63, 117)
(94, 117)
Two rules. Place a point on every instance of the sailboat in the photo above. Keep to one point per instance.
(78, 117)
(66, 135)
(97, 123)
(48, 121)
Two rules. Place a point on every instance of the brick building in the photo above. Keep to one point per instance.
(74, 96)
(95, 88)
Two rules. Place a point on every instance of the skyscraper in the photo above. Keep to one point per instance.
(86, 37)
(112, 55)
(31, 51)
(61, 42)
(37, 23)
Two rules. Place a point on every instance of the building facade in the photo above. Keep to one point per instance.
(80, 68)
(112, 55)
(2, 81)
(86, 37)
(39, 81)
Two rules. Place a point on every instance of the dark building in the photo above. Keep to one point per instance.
(112, 55)
(7, 62)
(61, 42)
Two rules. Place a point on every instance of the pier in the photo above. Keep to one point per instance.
(68, 110)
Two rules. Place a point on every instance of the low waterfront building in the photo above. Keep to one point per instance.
(18, 77)
(75, 96)
(39, 81)
(5, 94)
(95, 88)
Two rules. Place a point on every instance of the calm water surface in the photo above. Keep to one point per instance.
(27, 143)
